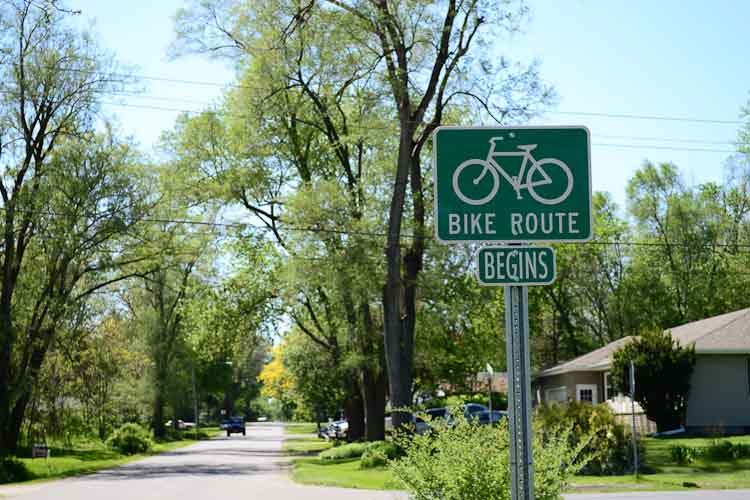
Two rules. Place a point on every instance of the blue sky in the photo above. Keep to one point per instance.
(666, 58)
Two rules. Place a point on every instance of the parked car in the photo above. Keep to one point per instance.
(490, 417)
(180, 424)
(471, 409)
(418, 425)
(233, 425)
(337, 429)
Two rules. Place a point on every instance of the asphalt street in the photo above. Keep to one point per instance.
(239, 467)
(246, 467)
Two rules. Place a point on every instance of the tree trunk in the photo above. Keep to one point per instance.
(158, 417)
(398, 325)
(374, 388)
(354, 412)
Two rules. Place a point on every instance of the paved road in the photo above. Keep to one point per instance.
(247, 468)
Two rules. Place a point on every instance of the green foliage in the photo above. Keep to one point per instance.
(682, 454)
(724, 450)
(351, 450)
(13, 470)
(465, 461)
(662, 376)
(499, 400)
(609, 445)
(378, 453)
(130, 439)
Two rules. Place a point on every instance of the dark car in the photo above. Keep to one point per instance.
(490, 417)
(234, 425)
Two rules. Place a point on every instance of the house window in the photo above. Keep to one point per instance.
(586, 393)
(556, 395)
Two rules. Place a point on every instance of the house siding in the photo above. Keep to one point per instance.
(569, 381)
(719, 393)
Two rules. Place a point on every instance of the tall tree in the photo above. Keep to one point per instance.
(413, 61)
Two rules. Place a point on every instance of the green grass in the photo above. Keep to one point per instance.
(706, 474)
(301, 428)
(91, 455)
(342, 474)
(667, 475)
(305, 445)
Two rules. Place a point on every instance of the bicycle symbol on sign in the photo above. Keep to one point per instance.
(538, 168)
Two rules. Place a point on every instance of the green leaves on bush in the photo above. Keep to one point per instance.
(13, 470)
(378, 453)
(466, 461)
(351, 450)
(717, 451)
(722, 450)
(130, 439)
(610, 445)
(682, 455)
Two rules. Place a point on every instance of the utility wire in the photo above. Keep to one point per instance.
(318, 230)
(627, 116)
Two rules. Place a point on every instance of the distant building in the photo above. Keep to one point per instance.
(719, 398)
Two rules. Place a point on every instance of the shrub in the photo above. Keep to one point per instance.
(466, 461)
(130, 439)
(724, 450)
(682, 455)
(378, 453)
(13, 470)
(499, 400)
(351, 450)
(610, 445)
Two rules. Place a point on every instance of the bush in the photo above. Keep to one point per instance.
(499, 400)
(378, 453)
(467, 461)
(130, 439)
(611, 446)
(13, 470)
(351, 450)
(682, 455)
(725, 451)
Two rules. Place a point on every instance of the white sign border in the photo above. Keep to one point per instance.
(508, 127)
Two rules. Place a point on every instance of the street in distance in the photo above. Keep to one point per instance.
(512, 184)
(514, 265)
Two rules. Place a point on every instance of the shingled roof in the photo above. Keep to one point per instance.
(724, 334)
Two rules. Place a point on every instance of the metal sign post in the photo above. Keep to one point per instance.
(519, 391)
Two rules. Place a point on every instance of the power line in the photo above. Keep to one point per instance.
(316, 230)
(627, 116)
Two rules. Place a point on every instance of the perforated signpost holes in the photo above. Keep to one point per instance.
(514, 185)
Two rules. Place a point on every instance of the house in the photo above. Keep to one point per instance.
(719, 396)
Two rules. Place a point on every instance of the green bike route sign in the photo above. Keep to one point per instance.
(516, 265)
(512, 184)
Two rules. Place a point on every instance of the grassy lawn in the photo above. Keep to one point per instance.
(667, 475)
(305, 445)
(301, 428)
(90, 456)
(702, 473)
(343, 474)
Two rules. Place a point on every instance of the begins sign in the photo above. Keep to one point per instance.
(513, 184)
(518, 266)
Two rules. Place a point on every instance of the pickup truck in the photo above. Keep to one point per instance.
(234, 424)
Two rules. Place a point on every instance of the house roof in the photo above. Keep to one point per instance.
(597, 360)
(724, 334)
